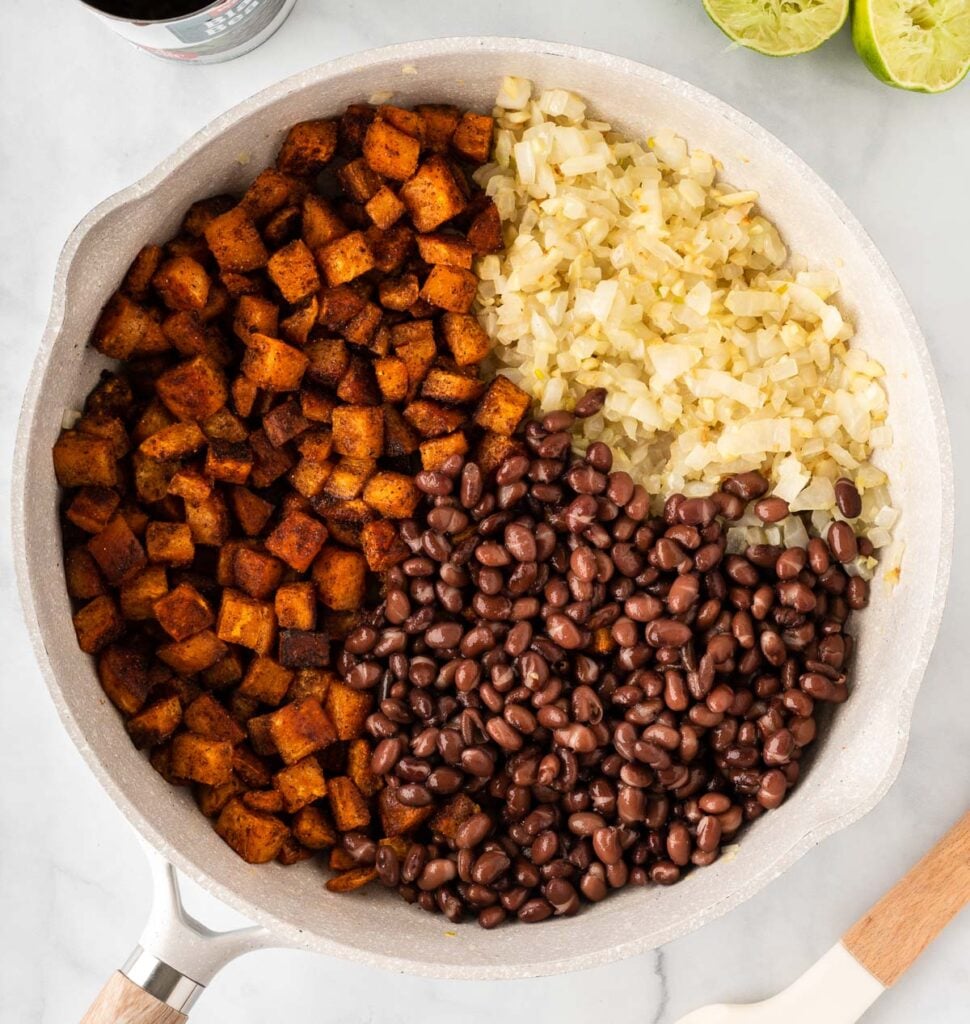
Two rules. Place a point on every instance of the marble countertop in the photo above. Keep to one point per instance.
(82, 115)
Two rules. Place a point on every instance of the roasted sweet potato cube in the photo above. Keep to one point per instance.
(234, 242)
(123, 674)
(359, 181)
(294, 272)
(408, 121)
(218, 304)
(251, 511)
(211, 799)
(117, 551)
(450, 288)
(226, 561)
(351, 880)
(229, 461)
(316, 445)
(393, 495)
(153, 418)
(268, 801)
(436, 451)
(82, 575)
(348, 709)
(361, 328)
(431, 419)
(155, 723)
(473, 137)
(195, 654)
(297, 540)
(226, 672)
(183, 612)
(440, 122)
(224, 425)
(193, 390)
(399, 438)
(433, 196)
(382, 545)
(338, 305)
(169, 543)
(259, 735)
(207, 717)
(417, 356)
(390, 152)
(182, 283)
(80, 460)
(384, 208)
(112, 397)
(295, 329)
(312, 829)
(300, 784)
(397, 819)
(300, 728)
(125, 329)
(282, 227)
(451, 250)
(296, 606)
(329, 359)
(152, 479)
(485, 231)
(340, 576)
(190, 337)
(201, 212)
(255, 315)
(358, 431)
(451, 386)
(348, 804)
(92, 507)
(139, 594)
(201, 759)
(138, 277)
(347, 480)
(266, 680)
(256, 573)
(392, 378)
(245, 621)
(494, 449)
(250, 768)
(391, 248)
(208, 520)
(358, 767)
(238, 285)
(190, 485)
(321, 224)
(110, 428)
(310, 477)
(269, 463)
(465, 337)
(255, 836)
(398, 293)
(308, 147)
(269, 191)
(353, 125)
(358, 386)
(345, 258)
(304, 649)
(272, 364)
(502, 408)
(453, 815)
(311, 682)
(173, 442)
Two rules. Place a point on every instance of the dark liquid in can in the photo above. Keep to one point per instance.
(149, 10)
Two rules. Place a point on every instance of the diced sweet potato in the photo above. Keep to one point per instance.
(194, 654)
(432, 196)
(190, 485)
(321, 225)
(201, 759)
(208, 520)
(226, 672)
(358, 386)
(153, 418)
(266, 680)
(237, 285)
(255, 315)
(473, 136)
(80, 460)
(451, 386)
(117, 551)
(183, 612)
(399, 438)
(297, 540)
(123, 674)
(173, 442)
(97, 624)
(304, 648)
(345, 258)
(190, 337)
(418, 356)
(384, 208)
(485, 230)
(110, 428)
(397, 819)
(250, 768)
(389, 151)
(182, 283)
(155, 723)
(152, 479)
(205, 716)
(311, 828)
(251, 511)
(282, 227)
(338, 305)
(440, 121)
(138, 277)
(235, 243)
(450, 288)
(310, 477)
(316, 445)
(201, 212)
(293, 270)
(269, 191)
(311, 682)
(193, 390)
(82, 575)
(340, 577)
(358, 767)
(399, 293)
(348, 709)
(351, 880)
(358, 431)
(267, 801)
(392, 378)
(92, 507)
(169, 543)
(437, 450)
(112, 397)
(296, 606)
(224, 425)
(451, 250)
(300, 728)
(391, 248)
(272, 364)
(359, 181)
(211, 799)
(256, 573)
(408, 121)
(382, 545)
(494, 449)
(362, 326)
(392, 494)
(466, 338)
(348, 804)
(502, 408)
(295, 329)
(308, 147)
(300, 784)
(229, 461)
(431, 419)
(246, 621)
(256, 837)
(269, 463)
(139, 594)
(126, 328)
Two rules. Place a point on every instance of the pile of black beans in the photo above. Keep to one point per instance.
(616, 693)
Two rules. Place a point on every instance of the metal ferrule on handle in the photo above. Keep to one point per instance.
(161, 980)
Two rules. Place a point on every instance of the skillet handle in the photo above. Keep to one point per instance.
(121, 1001)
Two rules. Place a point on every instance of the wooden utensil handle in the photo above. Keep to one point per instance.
(888, 938)
(123, 1002)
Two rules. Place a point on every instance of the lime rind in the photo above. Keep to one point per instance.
(778, 28)
(921, 46)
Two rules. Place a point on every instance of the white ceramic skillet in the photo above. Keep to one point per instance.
(856, 759)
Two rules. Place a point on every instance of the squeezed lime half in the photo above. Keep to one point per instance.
(923, 46)
(778, 28)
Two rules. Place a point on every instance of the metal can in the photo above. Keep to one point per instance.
(219, 30)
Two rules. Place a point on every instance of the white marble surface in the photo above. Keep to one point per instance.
(82, 115)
